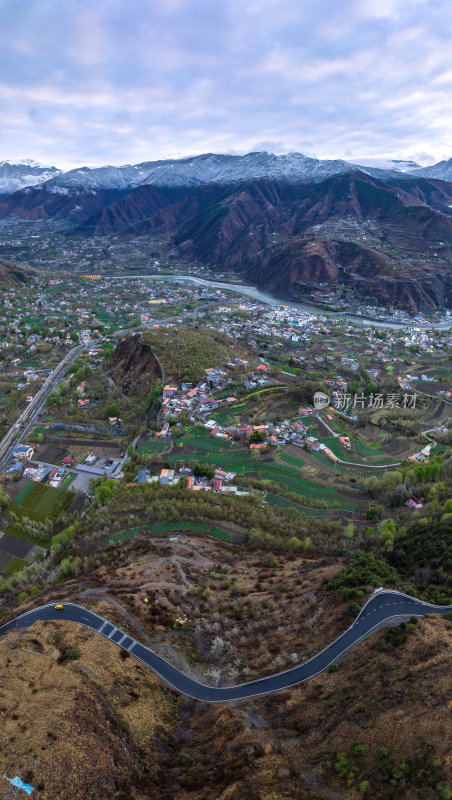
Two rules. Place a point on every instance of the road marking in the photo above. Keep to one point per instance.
(131, 647)
(122, 639)
(109, 635)
(103, 626)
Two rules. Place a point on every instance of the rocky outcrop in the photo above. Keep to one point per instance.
(133, 366)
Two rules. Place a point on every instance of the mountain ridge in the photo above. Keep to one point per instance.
(296, 226)
(209, 168)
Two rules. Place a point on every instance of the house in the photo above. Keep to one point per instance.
(23, 451)
(142, 476)
(16, 467)
(166, 476)
(67, 461)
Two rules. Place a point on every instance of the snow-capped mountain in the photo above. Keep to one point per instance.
(14, 176)
(442, 171)
(392, 164)
(195, 171)
(208, 168)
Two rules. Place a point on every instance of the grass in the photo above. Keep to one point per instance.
(67, 480)
(46, 500)
(16, 565)
(208, 443)
(152, 446)
(23, 493)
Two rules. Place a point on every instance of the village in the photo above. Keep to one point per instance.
(236, 419)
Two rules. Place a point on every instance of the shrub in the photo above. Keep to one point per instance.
(353, 609)
(444, 790)
(21, 597)
(333, 667)
(71, 654)
(382, 753)
(359, 750)
(363, 569)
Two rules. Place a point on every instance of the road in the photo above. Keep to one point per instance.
(27, 418)
(382, 606)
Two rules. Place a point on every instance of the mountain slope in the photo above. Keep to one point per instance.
(298, 226)
(442, 171)
(283, 238)
(11, 274)
(25, 173)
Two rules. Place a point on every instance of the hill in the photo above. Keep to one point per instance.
(11, 273)
(377, 727)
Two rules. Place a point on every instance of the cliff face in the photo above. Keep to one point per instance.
(134, 366)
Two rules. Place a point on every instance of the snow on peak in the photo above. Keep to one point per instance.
(18, 175)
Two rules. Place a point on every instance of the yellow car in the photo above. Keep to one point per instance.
(59, 607)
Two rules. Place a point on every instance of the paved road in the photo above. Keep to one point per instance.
(382, 606)
(27, 418)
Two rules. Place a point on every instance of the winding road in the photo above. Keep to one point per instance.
(382, 607)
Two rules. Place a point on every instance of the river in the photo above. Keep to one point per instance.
(264, 297)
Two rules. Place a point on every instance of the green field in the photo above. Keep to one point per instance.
(23, 493)
(295, 462)
(38, 501)
(241, 463)
(153, 446)
(168, 527)
(67, 480)
(16, 565)
(13, 530)
(283, 502)
(367, 450)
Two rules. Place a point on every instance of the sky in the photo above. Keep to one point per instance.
(125, 81)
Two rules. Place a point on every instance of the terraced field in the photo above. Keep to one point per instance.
(283, 502)
(241, 463)
(169, 527)
(152, 446)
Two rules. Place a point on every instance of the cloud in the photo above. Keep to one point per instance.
(116, 81)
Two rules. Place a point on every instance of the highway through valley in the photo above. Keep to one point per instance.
(383, 606)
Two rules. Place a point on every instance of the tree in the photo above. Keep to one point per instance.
(65, 567)
(349, 531)
(5, 500)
